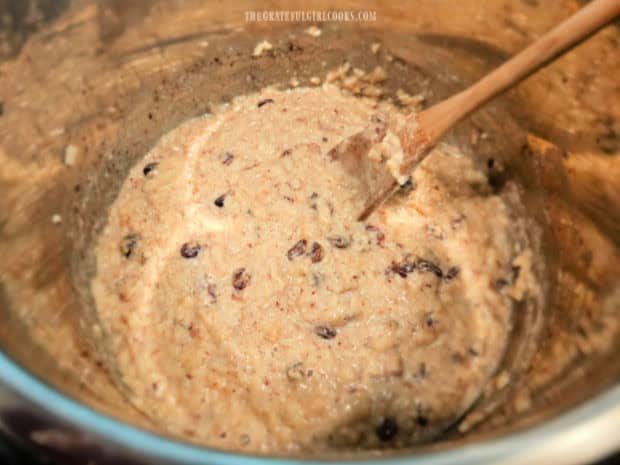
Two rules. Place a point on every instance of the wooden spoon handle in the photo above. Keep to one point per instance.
(435, 121)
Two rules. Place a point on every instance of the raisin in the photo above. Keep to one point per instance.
(295, 372)
(428, 266)
(397, 269)
(422, 421)
(496, 180)
(501, 284)
(297, 250)
(325, 332)
(240, 279)
(375, 229)
(313, 197)
(316, 252)
(264, 102)
(219, 202)
(190, 250)
(387, 429)
(150, 169)
(340, 242)
(226, 158)
(407, 186)
(129, 244)
(403, 268)
(451, 273)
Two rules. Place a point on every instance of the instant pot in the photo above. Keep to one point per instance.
(87, 87)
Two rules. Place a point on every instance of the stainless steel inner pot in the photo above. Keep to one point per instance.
(104, 80)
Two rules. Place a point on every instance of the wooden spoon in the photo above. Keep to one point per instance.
(423, 130)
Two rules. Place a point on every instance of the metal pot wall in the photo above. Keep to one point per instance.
(87, 87)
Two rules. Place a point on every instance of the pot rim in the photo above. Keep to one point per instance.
(582, 434)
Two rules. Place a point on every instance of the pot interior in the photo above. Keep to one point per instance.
(105, 80)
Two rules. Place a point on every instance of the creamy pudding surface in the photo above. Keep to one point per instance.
(242, 307)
